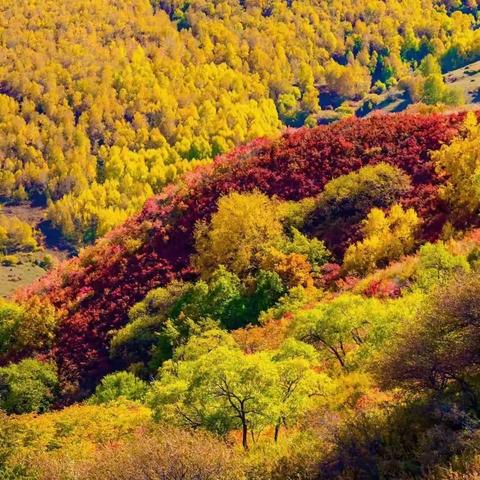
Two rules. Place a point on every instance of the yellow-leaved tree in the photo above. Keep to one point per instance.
(240, 229)
(459, 162)
(387, 236)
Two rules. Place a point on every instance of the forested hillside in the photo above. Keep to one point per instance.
(155, 247)
(301, 308)
(102, 103)
(243, 270)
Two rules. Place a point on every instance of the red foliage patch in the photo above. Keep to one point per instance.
(98, 289)
(384, 288)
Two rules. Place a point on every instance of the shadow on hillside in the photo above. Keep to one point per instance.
(402, 105)
(54, 240)
(394, 103)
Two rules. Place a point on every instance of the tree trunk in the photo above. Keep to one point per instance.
(277, 431)
(244, 434)
(338, 356)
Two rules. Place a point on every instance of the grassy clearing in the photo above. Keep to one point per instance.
(24, 270)
(16, 276)
(466, 79)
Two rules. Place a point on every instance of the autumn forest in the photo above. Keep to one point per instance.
(239, 239)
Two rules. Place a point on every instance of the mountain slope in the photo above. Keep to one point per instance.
(96, 290)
